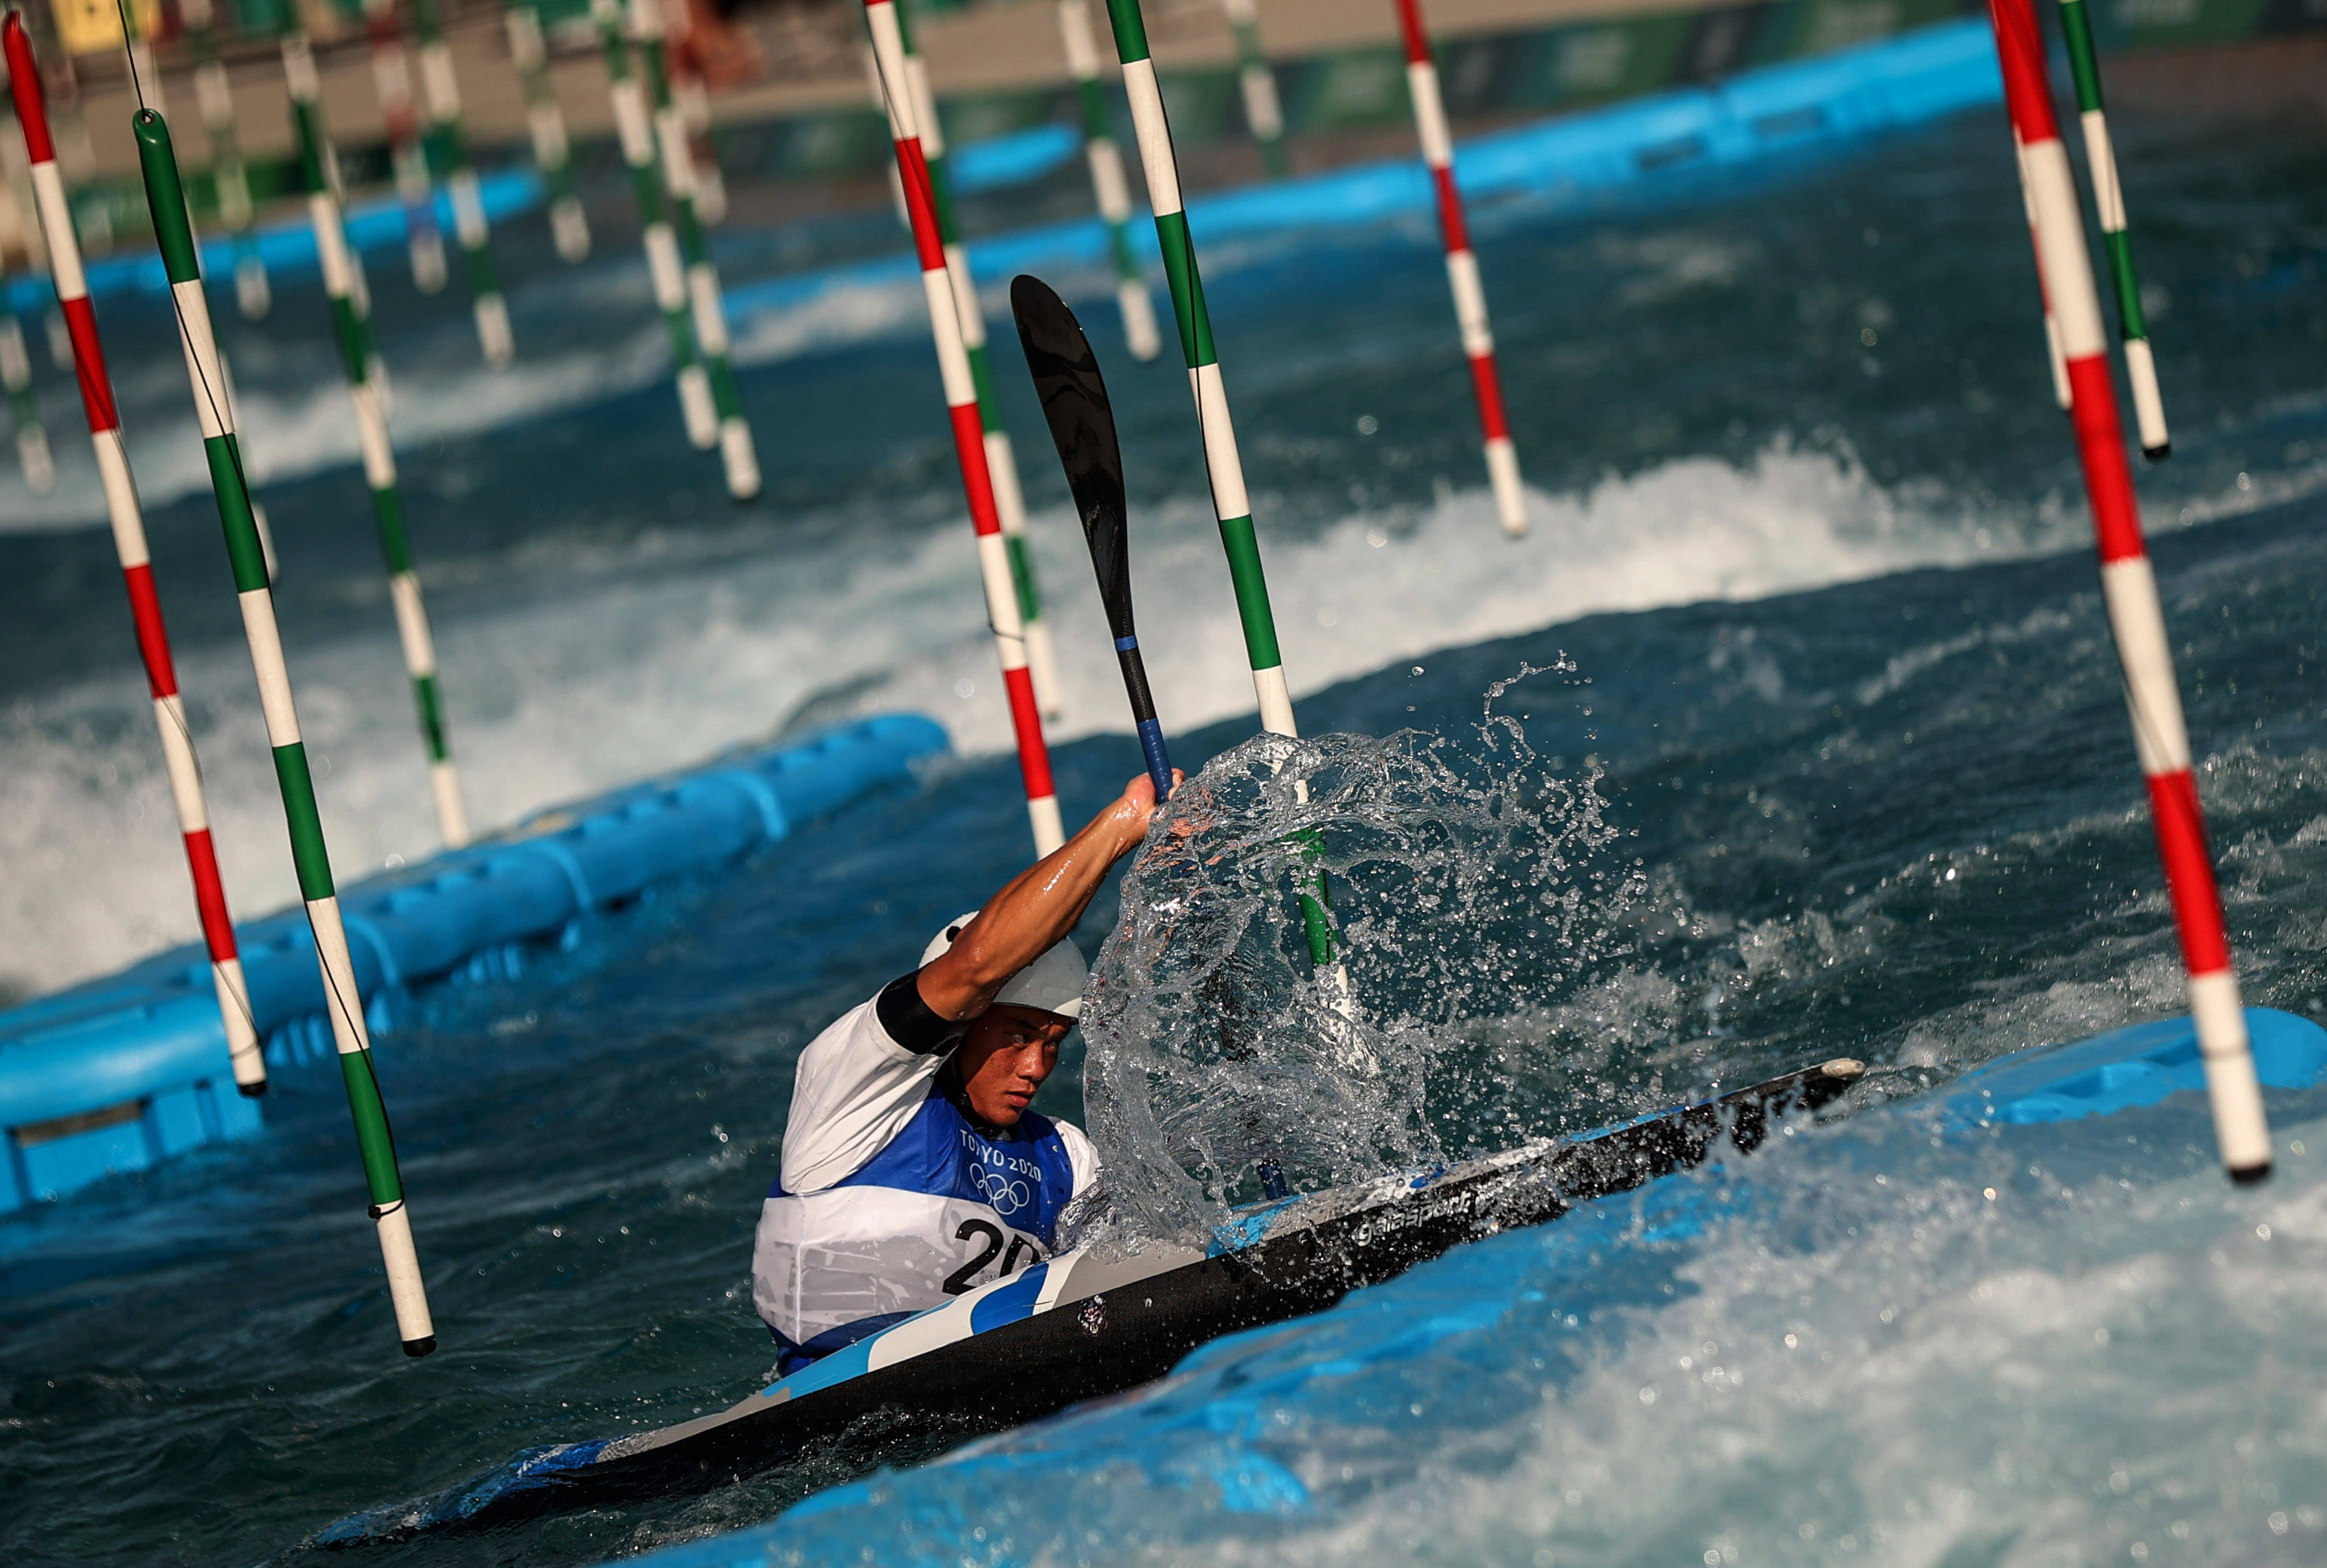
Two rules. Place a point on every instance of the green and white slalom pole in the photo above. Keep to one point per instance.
(706, 306)
(2100, 159)
(1462, 270)
(145, 81)
(694, 98)
(32, 454)
(129, 520)
(545, 123)
(399, 112)
(703, 140)
(969, 431)
(1107, 182)
(354, 335)
(1001, 459)
(450, 146)
(306, 90)
(1262, 111)
(230, 176)
(1230, 504)
(664, 270)
(391, 1218)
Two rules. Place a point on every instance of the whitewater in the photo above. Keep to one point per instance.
(1818, 659)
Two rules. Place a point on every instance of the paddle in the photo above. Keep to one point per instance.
(1082, 426)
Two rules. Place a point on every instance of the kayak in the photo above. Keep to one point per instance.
(1087, 1324)
(1091, 1322)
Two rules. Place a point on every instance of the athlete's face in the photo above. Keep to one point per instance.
(1005, 1055)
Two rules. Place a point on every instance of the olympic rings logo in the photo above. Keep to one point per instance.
(1006, 1195)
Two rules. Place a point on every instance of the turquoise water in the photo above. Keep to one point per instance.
(1809, 579)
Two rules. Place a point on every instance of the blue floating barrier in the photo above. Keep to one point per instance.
(124, 1071)
(1596, 154)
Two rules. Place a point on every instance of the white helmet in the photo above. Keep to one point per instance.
(1052, 983)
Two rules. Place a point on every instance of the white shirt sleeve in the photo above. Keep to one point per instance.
(854, 1090)
(1082, 1153)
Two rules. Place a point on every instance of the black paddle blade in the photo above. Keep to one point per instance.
(1082, 427)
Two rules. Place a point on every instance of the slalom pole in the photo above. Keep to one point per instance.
(2100, 160)
(2053, 356)
(1462, 268)
(2129, 589)
(968, 432)
(32, 454)
(1001, 459)
(1109, 185)
(137, 570)
(702, 141)
(708, 308)
(356, 355)
(230, 176)
(694, 98)
(17, 222)
(391, 1220)
(1229, 502)
(545, 123)
(450, 149)
(1262, 112)
(145, 82)
(881, 107)
(1230, 505)
(305, 92)
(391, 77)
(663, 266)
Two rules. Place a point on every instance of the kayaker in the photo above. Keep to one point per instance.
(912, 1170)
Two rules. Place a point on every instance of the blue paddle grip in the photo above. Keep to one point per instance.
(1159, 761)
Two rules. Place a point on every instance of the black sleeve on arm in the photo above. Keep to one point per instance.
(909, 1020)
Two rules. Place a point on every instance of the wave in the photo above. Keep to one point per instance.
(616, 673)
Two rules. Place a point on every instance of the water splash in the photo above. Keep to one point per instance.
(1470, 883)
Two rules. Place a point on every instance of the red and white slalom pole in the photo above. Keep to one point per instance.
(136, 571)
(1462, 269)
(968, 428)
(2129, 588)
(2052, 322)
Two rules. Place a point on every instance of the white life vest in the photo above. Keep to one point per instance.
(891, 1199)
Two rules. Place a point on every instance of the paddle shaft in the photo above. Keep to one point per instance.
(1143, 714)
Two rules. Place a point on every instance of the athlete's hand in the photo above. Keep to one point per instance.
(1134, 810)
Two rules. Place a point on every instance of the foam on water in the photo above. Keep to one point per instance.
(295, 431)
(2064, 1345)
(668, 649)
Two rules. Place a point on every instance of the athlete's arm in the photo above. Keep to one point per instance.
(1038, 905)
